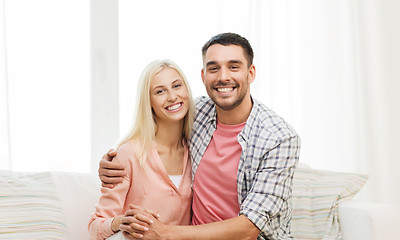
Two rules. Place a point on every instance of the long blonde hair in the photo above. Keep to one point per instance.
(144, 125)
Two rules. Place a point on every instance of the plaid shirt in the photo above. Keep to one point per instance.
(270, 152)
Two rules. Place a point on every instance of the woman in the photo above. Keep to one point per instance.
(154, 153)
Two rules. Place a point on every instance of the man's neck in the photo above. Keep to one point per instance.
(237, 115)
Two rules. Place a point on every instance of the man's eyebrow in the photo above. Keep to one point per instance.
(236, 61)
(230, 61)
(211, 63)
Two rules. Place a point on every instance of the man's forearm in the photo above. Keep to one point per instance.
(239, 228)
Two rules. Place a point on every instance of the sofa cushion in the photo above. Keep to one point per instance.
(79, 192)
(30, 207)
(316, 195)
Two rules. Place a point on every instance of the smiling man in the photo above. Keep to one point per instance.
(243, 157)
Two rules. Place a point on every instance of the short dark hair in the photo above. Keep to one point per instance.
(227, 39)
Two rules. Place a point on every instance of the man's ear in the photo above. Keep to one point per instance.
(252, 73)
(202, 75)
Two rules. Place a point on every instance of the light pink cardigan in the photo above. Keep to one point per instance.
(152, 189)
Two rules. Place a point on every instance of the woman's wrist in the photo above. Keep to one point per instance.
(115, 223)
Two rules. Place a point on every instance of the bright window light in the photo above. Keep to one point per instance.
(48, 59)
(175, 29)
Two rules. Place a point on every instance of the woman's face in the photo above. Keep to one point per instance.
(169, 96)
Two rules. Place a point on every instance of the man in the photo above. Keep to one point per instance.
(243, 156)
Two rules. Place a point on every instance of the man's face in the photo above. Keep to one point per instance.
(227, 76)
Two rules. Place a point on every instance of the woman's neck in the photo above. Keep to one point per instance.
(169, 135)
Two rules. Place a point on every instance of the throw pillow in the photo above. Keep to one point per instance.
(30, 207)
(315, 199)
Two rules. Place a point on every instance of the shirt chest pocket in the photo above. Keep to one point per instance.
(250, 168)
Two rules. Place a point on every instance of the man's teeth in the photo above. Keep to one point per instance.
(173, 107)
(224, 89)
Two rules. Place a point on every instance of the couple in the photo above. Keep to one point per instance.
(241, 163)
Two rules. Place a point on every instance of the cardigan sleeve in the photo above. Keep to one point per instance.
(112, 201)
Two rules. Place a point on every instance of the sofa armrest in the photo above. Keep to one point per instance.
(369, 221)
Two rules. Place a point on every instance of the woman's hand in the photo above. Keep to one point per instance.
(137, 221)
(115, 223)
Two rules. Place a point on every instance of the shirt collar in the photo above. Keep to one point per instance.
(212, 118)
(250, 120)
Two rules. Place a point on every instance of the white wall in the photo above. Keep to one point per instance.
(104, 78)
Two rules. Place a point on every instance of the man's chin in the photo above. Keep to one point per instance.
(225, 105)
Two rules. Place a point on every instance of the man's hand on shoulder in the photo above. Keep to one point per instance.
(110, 172)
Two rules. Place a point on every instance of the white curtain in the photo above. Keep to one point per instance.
(378, 84)
(329, 67)
(5, 157)
(45, 85)
(332, 69)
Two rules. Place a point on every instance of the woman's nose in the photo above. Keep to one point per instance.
(171, 96)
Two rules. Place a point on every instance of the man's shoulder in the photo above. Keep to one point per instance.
(265, 119)
(203, 101)
(204, 107)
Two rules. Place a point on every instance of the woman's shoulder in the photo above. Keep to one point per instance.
(125, 147)
(125, 151)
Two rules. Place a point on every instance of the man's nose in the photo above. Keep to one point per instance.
(224, 75)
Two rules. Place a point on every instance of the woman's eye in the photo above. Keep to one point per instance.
(177, 85)
(159, 91)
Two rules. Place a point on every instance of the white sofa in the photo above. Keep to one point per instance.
(57, 205)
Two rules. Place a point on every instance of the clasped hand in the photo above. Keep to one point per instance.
(139, 223)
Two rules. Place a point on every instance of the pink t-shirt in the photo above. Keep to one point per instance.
(215, 183)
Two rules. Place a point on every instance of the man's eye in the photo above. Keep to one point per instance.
(212, 69)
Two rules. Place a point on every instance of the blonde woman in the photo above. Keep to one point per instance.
(154, 153)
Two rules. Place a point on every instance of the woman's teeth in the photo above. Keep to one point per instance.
(173, 107)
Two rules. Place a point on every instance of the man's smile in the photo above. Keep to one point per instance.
(225, 89)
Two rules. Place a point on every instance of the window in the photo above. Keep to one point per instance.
(175, 29)
(48, 65)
